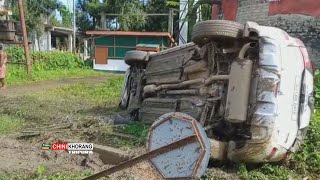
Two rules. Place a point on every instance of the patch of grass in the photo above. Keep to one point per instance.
(17, 74)
(45, 176)
(137, 130)
(267, 172)
(9, 124)
(307, 161)
(107, 93)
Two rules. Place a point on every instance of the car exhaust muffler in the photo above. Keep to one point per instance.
(239, 87)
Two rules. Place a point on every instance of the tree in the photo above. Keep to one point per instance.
(88, 17)
(157, 23)
(37, 11)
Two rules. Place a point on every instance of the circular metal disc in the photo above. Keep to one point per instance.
(188, 161)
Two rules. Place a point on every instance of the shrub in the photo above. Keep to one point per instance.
(56, 60)
(16, 54)
(47, 60)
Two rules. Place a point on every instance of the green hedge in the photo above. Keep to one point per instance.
(46, 60)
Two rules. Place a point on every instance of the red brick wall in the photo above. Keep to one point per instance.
(305, 7)
(230, 8)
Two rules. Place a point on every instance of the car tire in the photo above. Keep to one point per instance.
(125, 93)
(205, 31)
(133, 57)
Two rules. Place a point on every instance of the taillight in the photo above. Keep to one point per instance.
(307, 62)
(306, 59)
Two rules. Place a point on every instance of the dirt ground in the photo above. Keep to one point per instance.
(19, 156)
(41, 108)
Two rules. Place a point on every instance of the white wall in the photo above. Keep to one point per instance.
(113, 65)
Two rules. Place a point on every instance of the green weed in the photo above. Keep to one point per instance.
(9, 124)
(43, 175)
(107, 93)
(17, 74)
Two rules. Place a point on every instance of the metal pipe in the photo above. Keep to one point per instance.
(25, 37)
(215, 78)
(152, 88)
(148, 155)
(183, 92)
(245, 48)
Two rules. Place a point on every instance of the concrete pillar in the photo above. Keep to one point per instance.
(70, 42)
(85, 50)
(48, 40)
(103, 21)
(183, 23)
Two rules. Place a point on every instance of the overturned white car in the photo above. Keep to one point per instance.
(250, 86)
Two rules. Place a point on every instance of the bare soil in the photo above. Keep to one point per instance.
(19, 156)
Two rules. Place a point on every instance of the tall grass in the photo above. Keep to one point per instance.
(45, 66)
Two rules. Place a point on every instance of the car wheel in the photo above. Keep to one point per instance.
(133, 57)
(205, 31)
(125, 93)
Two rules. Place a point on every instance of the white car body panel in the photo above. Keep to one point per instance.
(282, 61)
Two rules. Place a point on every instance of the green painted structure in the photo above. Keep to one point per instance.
(119, 45)
(108, 48)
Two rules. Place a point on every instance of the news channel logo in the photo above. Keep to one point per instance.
(72, 148)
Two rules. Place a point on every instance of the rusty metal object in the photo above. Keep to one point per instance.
(178, 148)
(189, 161)
(196, 67)
(143, 157)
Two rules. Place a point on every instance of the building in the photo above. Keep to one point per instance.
(51, 39)
(108, 48)
(300, 18)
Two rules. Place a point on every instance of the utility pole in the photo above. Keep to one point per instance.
(170, 21)
(74, 28)
(25, 37)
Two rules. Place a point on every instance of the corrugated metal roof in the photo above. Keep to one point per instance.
(127, 33)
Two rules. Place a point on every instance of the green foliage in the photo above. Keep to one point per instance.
(108, 92)
(35, 11)
(9, 124)
(15, 54)
(16, 74)
(157, 23)
(41, 170)
(308, 160)
(46, 60)
(49, 176)
(173, 3)
(56, 60)
(135, 17)
(266, 172)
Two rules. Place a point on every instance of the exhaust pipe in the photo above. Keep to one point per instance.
(245, 48)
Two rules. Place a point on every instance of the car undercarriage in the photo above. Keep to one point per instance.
(228, 79)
